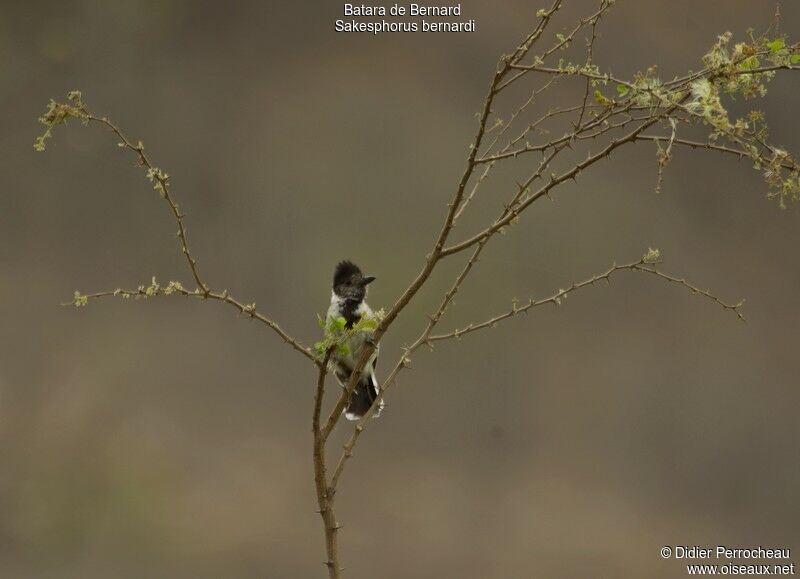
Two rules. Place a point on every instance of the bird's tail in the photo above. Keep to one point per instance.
(362, 399)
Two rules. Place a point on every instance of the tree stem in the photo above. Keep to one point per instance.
(325, 493)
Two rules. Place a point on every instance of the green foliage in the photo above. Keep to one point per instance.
(652, 255)
(776, 45)
(337, 335)
(159, 180)
(647, 90)
(602, 99)
(731, 70)
(173, 287)
(743, 70)
(79, 300)
(58, 114)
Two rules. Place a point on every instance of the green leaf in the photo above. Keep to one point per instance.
(652, 255)
(366, 324)
(601, 99)
(340, 322)
(622, 90)
(795, 59)
(80, 300)
(561, 37)
(749, 63)
(776, 45)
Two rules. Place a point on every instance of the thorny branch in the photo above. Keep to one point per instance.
(155, 289)
(691, 103)
(645, 265)
(325, 489)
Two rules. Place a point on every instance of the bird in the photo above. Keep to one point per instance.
(347, 301)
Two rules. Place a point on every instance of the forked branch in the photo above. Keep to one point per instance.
(60, 113)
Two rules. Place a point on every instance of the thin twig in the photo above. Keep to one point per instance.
(589, 60)
(163, 182)
(701, 145)
(510, 215)
(556, 298)
(245, 309)
(564, 41)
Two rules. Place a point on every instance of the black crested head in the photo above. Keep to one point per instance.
(348, 281)
(345, 270)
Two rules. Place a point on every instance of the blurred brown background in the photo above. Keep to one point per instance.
(170, 439)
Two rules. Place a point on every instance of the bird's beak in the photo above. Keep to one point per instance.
(368, 280)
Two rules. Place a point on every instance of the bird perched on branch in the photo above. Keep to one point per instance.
(347, 302)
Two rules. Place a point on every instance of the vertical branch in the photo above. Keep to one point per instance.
(324, 492)
(589, 57)
(544, 19)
